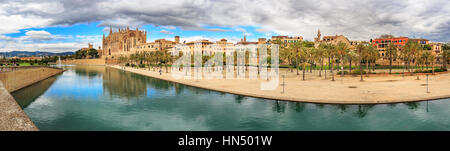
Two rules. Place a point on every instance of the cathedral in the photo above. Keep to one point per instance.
(122, 42)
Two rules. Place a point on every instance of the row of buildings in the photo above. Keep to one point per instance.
(128, 41)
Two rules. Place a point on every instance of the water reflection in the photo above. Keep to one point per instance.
(124, 84)
(29, 94)
(99, 98)
(363, 110)
(412, 105)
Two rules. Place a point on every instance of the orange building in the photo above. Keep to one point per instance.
(382, 43)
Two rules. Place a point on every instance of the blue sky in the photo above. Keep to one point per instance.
(66, 25)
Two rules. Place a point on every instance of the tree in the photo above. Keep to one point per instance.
(296, 49)
(166, 58)
(426, 47)
(331, 49)
(361, 50)
(341, 50)
(321, 54)
(372, 56)
(445, 55)
(432, 59)
(351, 56)
(93, 53)
(391, 54)
(303, 54)
(410, 53)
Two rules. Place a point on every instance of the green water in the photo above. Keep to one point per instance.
(101, 98)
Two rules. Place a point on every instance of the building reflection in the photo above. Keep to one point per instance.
(89, 71)
(123, 84)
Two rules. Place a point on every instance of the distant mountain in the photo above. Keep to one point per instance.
(35, 53)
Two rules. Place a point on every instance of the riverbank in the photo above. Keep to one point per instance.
(12, 117)
(315, 89)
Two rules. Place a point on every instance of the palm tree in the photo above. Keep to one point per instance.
(296, 49)
(341, 50)
(166, 58)
(411, 53)
(391, 54)
(332, 55)
(361, 50)
(351, 56)
(321, 54)
(304, 54)
(371, 56)
(432, 59)
(445, 55)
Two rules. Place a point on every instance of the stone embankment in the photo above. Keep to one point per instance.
(84, 61)
(12, 117)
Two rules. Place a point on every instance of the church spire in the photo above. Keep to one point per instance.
(318, 34)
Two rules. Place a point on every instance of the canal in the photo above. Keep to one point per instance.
(103, 98)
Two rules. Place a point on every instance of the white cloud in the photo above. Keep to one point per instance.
(40, 41)
(46, 47)
(169, 27)
(38, 35)
(166, 32)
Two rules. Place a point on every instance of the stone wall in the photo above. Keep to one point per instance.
(12, 117)
(85, 61)
(20, 78)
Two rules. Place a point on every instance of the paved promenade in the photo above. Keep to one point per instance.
(12, 117)
(349, 90)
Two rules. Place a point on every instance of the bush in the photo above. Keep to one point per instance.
(440, 70)
(422, 71)
(127, 64)
(141, 65)
(133, 65)
(340, 72)
(354, 72)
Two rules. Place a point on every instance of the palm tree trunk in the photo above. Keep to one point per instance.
(167, 71)
(332, 71)
(321, 67)
(329, 63)
(304, 64)
(350, 66)
(432, 67)
(296, 64)
(367, 68)
(390, 65)
(360, 69)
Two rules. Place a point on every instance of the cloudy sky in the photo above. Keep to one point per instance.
(68, 25)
